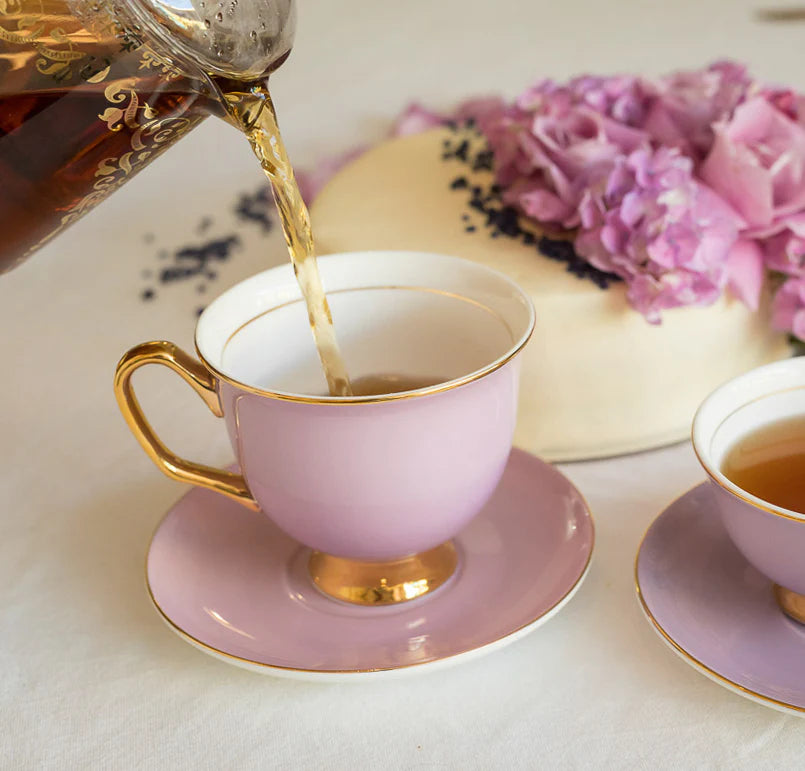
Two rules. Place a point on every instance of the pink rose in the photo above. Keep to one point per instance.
(757, 163)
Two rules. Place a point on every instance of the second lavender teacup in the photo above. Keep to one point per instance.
(770, 536)
(375, 485)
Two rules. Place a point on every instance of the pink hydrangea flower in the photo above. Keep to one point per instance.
(667, 235)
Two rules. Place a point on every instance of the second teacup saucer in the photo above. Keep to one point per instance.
(229, 582)
(715, 610)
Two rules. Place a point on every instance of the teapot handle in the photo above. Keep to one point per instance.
(205, 384)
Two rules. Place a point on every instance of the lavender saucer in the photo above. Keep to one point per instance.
(229, 582)
(715, 610)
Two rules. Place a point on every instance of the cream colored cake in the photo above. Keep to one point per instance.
(597, 379)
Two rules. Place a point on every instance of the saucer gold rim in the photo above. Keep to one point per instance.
(250, 664)
(730, 685)
(504, 638)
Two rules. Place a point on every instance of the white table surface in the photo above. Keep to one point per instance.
(91, 678)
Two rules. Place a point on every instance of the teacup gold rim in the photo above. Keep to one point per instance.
(676, 647)
(722, 481)
(252, 663)
(448, 385)
(398, 287)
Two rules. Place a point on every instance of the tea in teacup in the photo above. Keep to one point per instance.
(377, 385)
(769, 463)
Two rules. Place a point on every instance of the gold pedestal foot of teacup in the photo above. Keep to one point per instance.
(791, 603)
(383, 583)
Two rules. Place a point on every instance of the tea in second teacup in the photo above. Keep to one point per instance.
(769, 463)
(377, 385)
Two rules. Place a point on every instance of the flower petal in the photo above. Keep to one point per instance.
(745, 272)
(734, 173)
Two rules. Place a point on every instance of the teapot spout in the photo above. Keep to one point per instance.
(240, 40)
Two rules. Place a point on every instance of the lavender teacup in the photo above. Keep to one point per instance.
(770, 536)
(375, 485)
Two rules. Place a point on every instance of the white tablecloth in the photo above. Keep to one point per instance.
(91, 678)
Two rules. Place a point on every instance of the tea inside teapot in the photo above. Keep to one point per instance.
(91, 91)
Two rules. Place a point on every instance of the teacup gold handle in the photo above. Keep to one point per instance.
(204, 383)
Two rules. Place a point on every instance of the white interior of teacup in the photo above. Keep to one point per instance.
(765, 395)
(404, 313)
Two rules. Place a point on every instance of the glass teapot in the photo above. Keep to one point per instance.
(91, 91)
